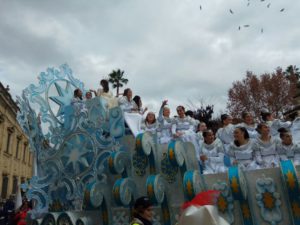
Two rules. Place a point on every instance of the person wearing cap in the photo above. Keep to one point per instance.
(142, 212)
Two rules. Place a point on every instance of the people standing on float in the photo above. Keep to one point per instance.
(139, 105)
(212, 154)
(265, 147)
(150, 123)
(200, 128)
(164, 133)
(241, 150)
(77, 101)
(132, 117)
(225, 133)
(286, 149)
(274, 124)
(249, 124)
(105, 93)
(183, 128)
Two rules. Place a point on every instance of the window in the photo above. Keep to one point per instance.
(8, 142)
(4, 186)
(15, 185)
(24, 152)
(17, 147)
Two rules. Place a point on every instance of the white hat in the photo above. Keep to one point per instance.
(207, 214)
(196, 213)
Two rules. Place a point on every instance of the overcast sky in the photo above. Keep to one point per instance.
(169, 49)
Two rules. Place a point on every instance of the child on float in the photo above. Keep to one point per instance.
(249, 124)
(225, 133)
(212, 154)
(164, 133)
(150, 123)
(241, 150)
(138, 107)
(265, 147)
(286, 149)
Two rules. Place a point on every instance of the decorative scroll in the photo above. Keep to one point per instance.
(291, 183)
(239, 191)
(268, 200)
(49, 219)
(124, 191)
(65, 219)
(192, 184)
(225, 201)
(119, 163)
(156, 193)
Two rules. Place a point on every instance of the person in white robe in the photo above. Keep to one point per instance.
(212, 154)
(200, 128)
(241, 150)
(132, 117)
(164, 133)
(105, 93)
(286, 149)
(274, 124)
(225, 134)
(183, 129)
(295, 130)
(78, 102)
(265, 147)
(150, 123)
(249, 124)
(139, 105)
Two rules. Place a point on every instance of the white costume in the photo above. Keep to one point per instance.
(276, 124)
(265, 153)
(126, 106)
(251, 130)
(164, 133)
(186, 127)
(295, 130)
(108, 96)
(79, 104)
(225, 134)
(286, 152)
(145, 126)
(243, 154)
(215, 157)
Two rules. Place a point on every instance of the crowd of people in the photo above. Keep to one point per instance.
(11, 214)
(247, 144)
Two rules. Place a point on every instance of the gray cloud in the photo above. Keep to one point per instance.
(168, 49)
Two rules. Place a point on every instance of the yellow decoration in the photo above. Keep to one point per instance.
(222, 204)
(268, 200)
(110, 162)
(189, 188)
(171, 154)
(290, 180)
(234, 185)
(166, 214)
(296, 209)
(150, 190)
(245, 211)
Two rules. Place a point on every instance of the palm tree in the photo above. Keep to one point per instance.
(117, 79)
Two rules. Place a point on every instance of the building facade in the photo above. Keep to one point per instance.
(16, 160)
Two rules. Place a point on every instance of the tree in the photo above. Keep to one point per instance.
(117, 79)
(292, 71)
(273, 91)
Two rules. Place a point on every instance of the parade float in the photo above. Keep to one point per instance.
(89, 168)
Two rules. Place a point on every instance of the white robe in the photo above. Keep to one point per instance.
(225, 134)
(295, 130)
(149, 127)
(126, 106)
(251, 130)
(186, 126)
(286, 152)
(108, 96)
(244, 155)
(276, 124)
(265, 153)
(215, 157)
(164, 133)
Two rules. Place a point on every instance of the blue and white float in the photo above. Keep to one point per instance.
(87, 171)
